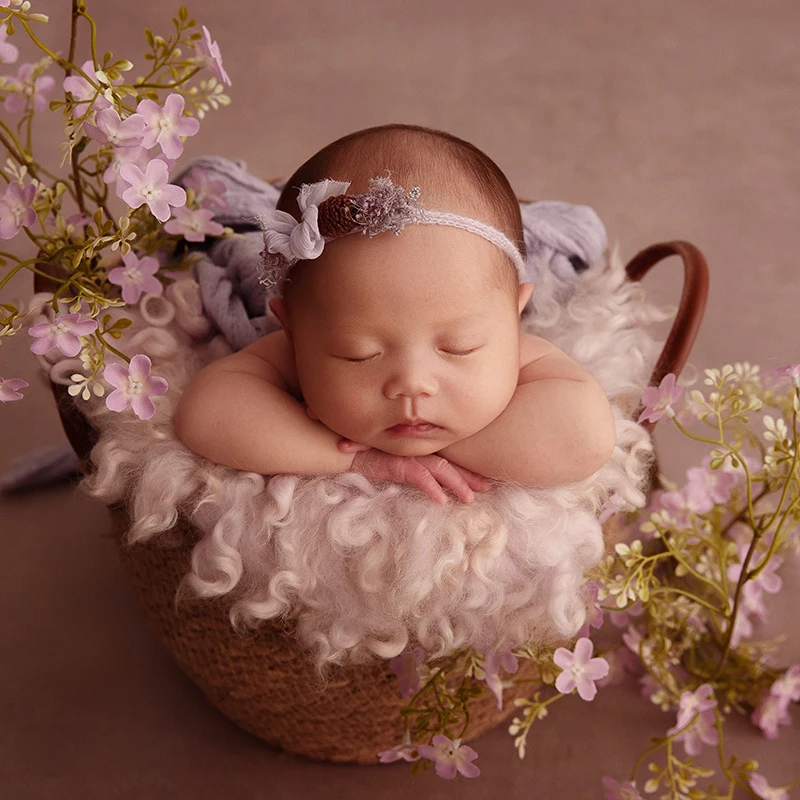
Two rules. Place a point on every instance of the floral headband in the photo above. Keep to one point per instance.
(328, 213)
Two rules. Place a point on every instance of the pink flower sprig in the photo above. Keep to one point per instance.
(659, 401)
(152, 187)
(406, 752)
(9, 53)
(772, 711)
(579, 669)
(117, 132)
(83, 93)
(16, 209)
(208, 192)
(209, 50)
(758, 783)
(166, 125)
(450, 757)
(134, 386)
(194, 224)
(617, 790)
(790, 371)
(10, 389)
(28, 88)
(406, 667)
(62, 333)
(137, 277)
(697, 706)
(494, 661)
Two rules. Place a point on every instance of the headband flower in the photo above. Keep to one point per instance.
(295, 241)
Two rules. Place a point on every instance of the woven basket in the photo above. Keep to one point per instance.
(264, 681)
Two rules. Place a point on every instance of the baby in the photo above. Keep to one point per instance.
(400, 356)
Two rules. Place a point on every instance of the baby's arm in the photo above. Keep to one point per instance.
(238, 411)
(557, 428)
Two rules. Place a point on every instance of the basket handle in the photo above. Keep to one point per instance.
(690, 310)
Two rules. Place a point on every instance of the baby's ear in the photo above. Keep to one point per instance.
(277, 305)
(525, 292)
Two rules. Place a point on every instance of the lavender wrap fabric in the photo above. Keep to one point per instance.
(561, 238)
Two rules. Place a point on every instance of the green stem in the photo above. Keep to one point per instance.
(92, 33)
(694, 598)
(113, 349)
(172, 85)
(721, 756)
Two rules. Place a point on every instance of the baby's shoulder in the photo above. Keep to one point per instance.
(532, 348)
(276, 349)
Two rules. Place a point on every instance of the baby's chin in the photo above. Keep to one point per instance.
(417, 446)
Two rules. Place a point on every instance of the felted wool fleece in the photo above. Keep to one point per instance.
(369, 569)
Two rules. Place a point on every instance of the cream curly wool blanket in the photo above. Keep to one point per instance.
(370, 570)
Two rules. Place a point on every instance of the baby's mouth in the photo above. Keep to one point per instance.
(420, 428)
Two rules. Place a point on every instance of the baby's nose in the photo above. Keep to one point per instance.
(410, 380)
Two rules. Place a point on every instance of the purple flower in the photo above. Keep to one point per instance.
(707, 487)
(659, 401)
(450, 757)
(208, 192)
(770, 714)
(788, 685)
(193, 224)
(620, 791)
(8, 52)
(790, 371)
(698, 702)
(15, 209)
(210, 51)
(166, 125)
(700, 732)
(621, 663)
(594, 614)
(696, 711)
(407, 752)
(134, 387)
(62, 333)
(758, 783)
(9, 389)
(128, 155)
(766, 580)
(751, 605)
(83, 92)
(406, 668)
(117, 132)
(29, 88)
(621, 619)
(493, 662)
(579, 669)
(151, 187)
(137, 277)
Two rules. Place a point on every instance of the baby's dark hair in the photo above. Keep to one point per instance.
(454, 176)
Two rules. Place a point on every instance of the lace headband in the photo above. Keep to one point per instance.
(329, 213)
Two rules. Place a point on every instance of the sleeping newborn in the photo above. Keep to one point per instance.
(400, 356)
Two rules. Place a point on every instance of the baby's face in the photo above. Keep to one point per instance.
(407, 327)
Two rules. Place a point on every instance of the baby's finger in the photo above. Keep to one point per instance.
(349, 446)
(475, 482)
(417, 475)
(449, 476)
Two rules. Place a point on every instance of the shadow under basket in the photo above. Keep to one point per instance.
(263, 680)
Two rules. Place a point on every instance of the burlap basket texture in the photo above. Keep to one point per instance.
(264, 681)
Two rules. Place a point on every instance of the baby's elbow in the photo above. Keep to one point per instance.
(184, 422)
(600, 438)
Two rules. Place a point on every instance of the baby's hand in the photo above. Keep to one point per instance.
(429, 473)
